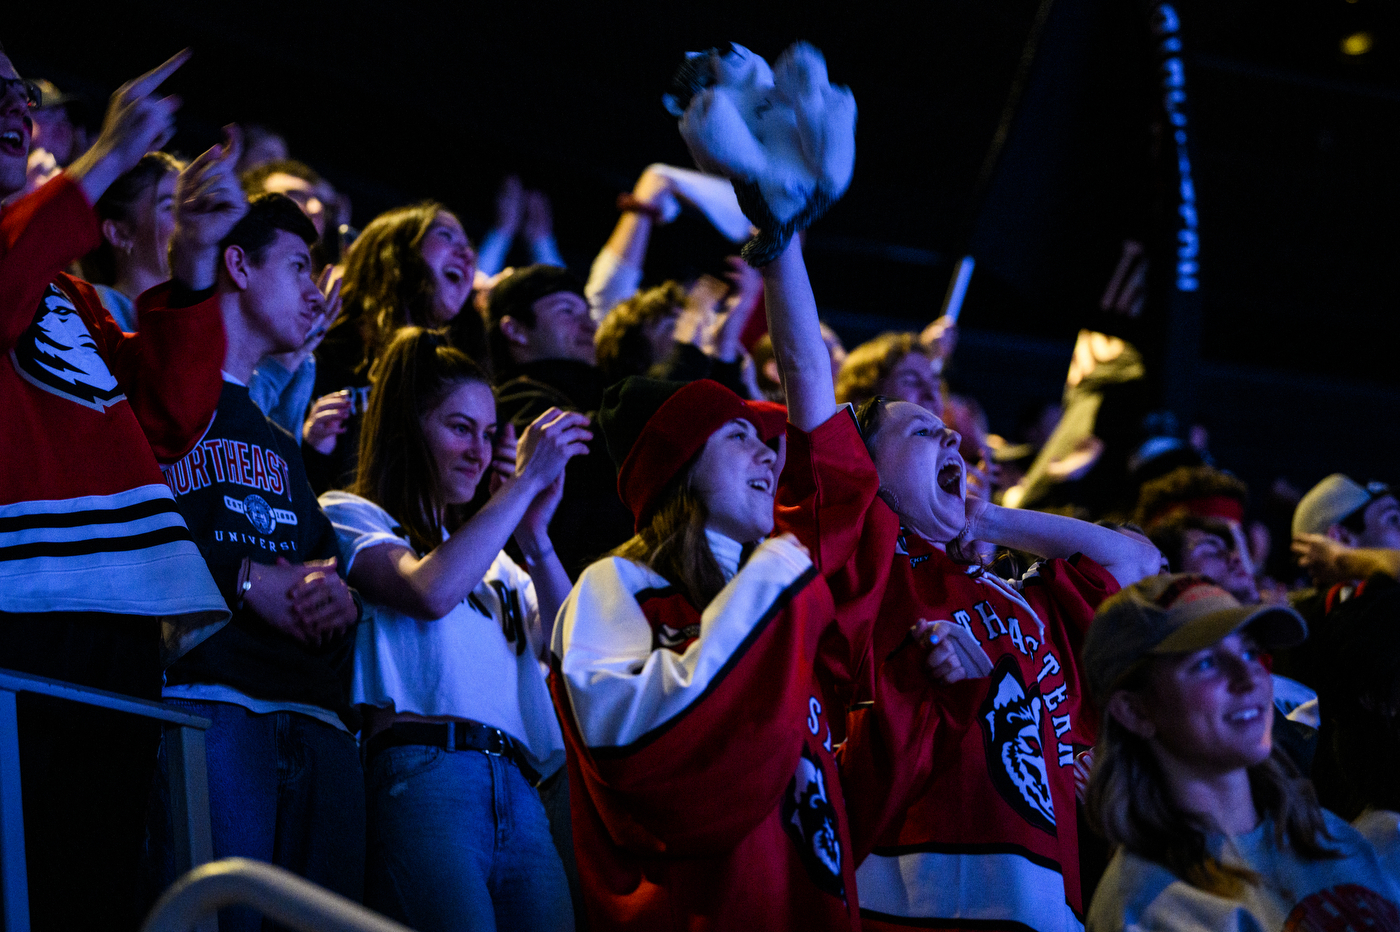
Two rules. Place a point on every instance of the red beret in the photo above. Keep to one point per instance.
(677, 430)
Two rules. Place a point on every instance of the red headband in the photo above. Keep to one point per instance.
(1207, 506)
(677, 431)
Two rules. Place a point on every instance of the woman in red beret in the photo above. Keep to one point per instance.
(704, 790)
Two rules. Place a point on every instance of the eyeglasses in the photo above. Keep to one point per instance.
(28, 89)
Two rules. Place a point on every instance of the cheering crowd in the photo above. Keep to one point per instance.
(523, 601)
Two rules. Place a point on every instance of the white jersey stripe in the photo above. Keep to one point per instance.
(72, 556)
(993, 887)
(64, 506)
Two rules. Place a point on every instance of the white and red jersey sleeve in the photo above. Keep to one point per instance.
(704, 790)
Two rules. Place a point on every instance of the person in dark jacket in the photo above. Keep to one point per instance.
(541, 339)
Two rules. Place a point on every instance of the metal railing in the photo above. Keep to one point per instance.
(189, 783)
(276, 893)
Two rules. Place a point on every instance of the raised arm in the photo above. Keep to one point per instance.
(429, 587)
(209, 202)
(797, 340)
(1045, 535)
(1329, 562)
(617, 270)
(136, 123)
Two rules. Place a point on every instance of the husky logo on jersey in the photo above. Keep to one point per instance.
(809, 818)
(1015, 755)
(59, 355)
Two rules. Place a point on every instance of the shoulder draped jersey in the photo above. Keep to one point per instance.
(87, 523)
(704, 790)
(960, 798)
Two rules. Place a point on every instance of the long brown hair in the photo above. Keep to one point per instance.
(1130, 804)
(674, 546)
(417, 370)
(387, 284)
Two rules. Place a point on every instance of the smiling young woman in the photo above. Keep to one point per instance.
(1215, 828)
(412, 266)
(458, 724)
(703, 778)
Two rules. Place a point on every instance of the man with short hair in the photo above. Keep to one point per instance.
(541, 338)
(97, 570)
(286, 783)
(1205, 547)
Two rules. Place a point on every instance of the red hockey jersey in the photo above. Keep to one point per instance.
(87, 522)
(966, 802)
(704, 791)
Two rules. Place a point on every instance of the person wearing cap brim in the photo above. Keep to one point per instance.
(703, 783)
(882, 503)
(1343, 533)
(1215, 828)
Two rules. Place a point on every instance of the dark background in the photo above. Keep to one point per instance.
(1295, 148)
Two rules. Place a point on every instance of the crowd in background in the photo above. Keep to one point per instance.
(520, 598)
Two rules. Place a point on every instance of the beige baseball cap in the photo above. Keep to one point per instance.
(1175, 614)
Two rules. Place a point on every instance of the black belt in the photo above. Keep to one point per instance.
(454, 736)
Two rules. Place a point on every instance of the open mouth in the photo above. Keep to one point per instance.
(1243, 716)
(456, 274)
(950, 478)
(764, 485)
(12, 142)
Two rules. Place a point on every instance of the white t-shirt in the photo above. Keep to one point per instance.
(460, 665)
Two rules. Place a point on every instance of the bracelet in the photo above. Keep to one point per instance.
(245, 582)
(628, 204)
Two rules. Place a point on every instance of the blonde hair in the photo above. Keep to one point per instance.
(871, 363)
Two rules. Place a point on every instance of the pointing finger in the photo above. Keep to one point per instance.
(233, 144)
(148, 82)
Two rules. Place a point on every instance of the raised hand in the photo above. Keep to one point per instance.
(746, 284)
(326, 422)
(539, 217)
(1319, 555)
(209, 201)
(503, 456)
(940, 337)
(510, 205)
(136, 123)
(549, 443)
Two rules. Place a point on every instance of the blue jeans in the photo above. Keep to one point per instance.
(458, 840)
(285, 789)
